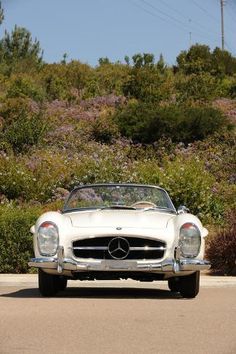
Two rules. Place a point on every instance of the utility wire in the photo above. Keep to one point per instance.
(229, 14)
(147, 11)
(205, 11)
(230, 49)
(193, 22)
(209, 14)
(177, 22)
(164, 13)
(232, 4)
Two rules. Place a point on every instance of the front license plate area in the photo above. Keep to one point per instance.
(116, 264)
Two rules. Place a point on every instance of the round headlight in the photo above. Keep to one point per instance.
(189, 240)
(48, 239)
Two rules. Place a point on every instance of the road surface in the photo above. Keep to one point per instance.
(117, 318)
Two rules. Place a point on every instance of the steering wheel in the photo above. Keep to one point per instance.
(143, 204)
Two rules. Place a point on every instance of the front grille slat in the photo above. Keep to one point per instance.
(101, 248)
(139, 248)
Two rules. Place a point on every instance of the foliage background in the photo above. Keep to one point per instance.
(67, 123)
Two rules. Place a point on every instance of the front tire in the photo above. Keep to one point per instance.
(173, 284)
(61, 283)
(189, 285)
(47, 283)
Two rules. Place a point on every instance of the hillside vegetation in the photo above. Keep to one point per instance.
(68, 123)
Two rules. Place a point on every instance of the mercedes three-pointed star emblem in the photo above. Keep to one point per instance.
(118, 248)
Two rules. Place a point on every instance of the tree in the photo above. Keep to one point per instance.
(19, 46)
(161, 66)
(148, 81)
(196, 60)
(127, 60)
(103, 61)
(143, 60)
(223, 62)
(199, 59)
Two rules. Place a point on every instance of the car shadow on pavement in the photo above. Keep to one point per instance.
(99, 293)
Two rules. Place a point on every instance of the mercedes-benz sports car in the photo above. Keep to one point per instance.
(119, 231)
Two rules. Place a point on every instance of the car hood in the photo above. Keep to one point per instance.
(120, 218)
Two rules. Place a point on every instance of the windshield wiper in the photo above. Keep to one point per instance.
(160, 208)
(118, 207)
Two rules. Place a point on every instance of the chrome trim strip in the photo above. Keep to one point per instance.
(187, 264)
(103, 248)
(97, 248)
(168, 265)
(147, 248)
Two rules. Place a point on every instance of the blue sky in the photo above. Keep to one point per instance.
(90, 29)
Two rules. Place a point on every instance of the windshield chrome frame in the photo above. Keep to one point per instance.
(84, 186)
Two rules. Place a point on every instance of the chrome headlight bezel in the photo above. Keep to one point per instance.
(189, 240)
(48, 238)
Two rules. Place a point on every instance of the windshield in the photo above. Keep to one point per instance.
(118, 196)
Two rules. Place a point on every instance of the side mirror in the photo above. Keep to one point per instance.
(182, 209)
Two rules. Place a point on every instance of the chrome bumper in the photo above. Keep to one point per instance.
(61, 264)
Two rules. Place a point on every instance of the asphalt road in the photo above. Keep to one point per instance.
(117, 317)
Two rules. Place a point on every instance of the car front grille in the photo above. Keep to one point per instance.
(119, 247)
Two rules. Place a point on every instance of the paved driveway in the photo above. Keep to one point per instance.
(117, 317)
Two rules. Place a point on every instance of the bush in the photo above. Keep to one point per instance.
(24, 86)
(16, 242)
(221, 250)
(148, 84)
(16, 181)
(201, 87)
(232, 90)
(199, 123)
(23, 126)
(145, 123)
(189, 183)
(104, 129)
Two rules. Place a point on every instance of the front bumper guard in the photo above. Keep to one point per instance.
(169, 265)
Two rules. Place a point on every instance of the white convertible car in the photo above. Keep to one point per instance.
(119, 231)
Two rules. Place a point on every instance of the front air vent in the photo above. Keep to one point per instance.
(119, 247)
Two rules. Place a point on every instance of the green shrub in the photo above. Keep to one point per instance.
(202, 87)
(23, 126)
(199, 123)
(232, 90)
(16, 242)
(148, 84)
(189, 183)
(104, 129)
(23, 86)
(16, 181)
(111, 78)
(27, 131)
(221, 250)
(146, 123)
